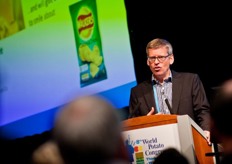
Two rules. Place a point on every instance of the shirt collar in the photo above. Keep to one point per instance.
(169, 79)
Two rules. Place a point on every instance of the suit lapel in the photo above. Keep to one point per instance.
(176, 91)
(149, 95)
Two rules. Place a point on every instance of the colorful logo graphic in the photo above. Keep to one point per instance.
(135, 149)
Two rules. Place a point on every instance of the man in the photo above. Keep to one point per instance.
(169, 92)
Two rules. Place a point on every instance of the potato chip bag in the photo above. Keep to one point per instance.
(88, 42)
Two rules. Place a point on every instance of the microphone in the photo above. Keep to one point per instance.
(166, 100)
(168, 104)
(135, 110)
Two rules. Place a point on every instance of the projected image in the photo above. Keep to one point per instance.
(67, 49)
(88, 42)
(11, 18)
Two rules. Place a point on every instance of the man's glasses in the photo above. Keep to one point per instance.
(159, 58)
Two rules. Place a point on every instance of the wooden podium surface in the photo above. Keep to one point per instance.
(190, 134)
(147, 121)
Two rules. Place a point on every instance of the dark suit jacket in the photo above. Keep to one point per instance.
(188, 97)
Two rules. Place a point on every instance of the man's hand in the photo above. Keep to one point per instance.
(207, 134)
(152, 111)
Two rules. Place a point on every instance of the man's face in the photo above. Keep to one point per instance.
(159, 62)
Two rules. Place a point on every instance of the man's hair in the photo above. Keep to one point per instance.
(87, 129)
(158, 43)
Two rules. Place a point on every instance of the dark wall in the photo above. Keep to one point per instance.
(200, 35)
(19, 151)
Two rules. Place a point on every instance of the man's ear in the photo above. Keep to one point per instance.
(171, 59)
(148, 63)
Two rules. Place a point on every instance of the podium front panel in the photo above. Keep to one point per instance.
(145, 144)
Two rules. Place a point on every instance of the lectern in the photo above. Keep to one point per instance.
(147, 136)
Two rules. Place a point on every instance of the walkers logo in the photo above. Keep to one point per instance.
(85, 23)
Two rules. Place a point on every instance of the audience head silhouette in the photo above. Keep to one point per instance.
(88, 129)
(47, 153)
(171, 155)
(221, 113)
